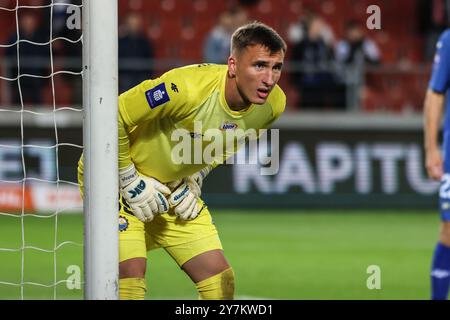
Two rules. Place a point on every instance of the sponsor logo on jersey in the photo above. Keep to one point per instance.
(157, 95)
(174, 87)
(228, 126)
(123, 223)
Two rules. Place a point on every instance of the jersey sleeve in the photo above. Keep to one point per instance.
(167, 96)
(440, 77)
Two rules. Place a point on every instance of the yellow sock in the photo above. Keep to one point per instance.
(132, 289)
(217, 287)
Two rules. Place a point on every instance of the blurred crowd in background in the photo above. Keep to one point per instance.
(334, 62)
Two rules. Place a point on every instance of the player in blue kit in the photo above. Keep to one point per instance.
(437, 163)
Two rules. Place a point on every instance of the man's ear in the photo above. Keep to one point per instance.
(232, 66)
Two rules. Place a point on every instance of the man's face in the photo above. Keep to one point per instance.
(256, 72)
(355, 34)
(28, 24)
(134, 24)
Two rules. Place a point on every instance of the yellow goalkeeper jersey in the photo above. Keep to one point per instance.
(150, 113)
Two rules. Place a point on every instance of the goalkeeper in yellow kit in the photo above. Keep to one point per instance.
(160, 204)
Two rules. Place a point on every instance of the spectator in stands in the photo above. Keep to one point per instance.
(352, 54)
(216, 48)
(356, 48)
(434, 17)
(136, 53)
(313, 67)
(34, 60)
(297, 31)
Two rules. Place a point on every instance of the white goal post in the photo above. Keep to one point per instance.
(100, 101)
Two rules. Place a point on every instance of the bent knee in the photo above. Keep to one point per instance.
(132, 268)
(217, 287)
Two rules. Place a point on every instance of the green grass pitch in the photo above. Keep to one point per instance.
(276, 255)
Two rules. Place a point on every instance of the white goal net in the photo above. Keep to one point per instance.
(40, 123)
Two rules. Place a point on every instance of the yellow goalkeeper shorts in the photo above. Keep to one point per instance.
(183, 240)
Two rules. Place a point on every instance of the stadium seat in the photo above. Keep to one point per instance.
(371, 99)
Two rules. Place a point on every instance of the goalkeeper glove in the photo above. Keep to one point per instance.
(145, 195)
(201, 175)
(185, 197)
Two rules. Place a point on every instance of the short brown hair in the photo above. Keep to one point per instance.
(257, 33)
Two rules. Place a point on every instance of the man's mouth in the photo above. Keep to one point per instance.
(263, 92)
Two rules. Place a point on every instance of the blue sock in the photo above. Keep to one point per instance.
(440, 273)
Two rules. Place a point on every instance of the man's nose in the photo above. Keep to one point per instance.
(269, 78)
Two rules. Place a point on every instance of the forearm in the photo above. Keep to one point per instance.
(433, 108)
(124, 145)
